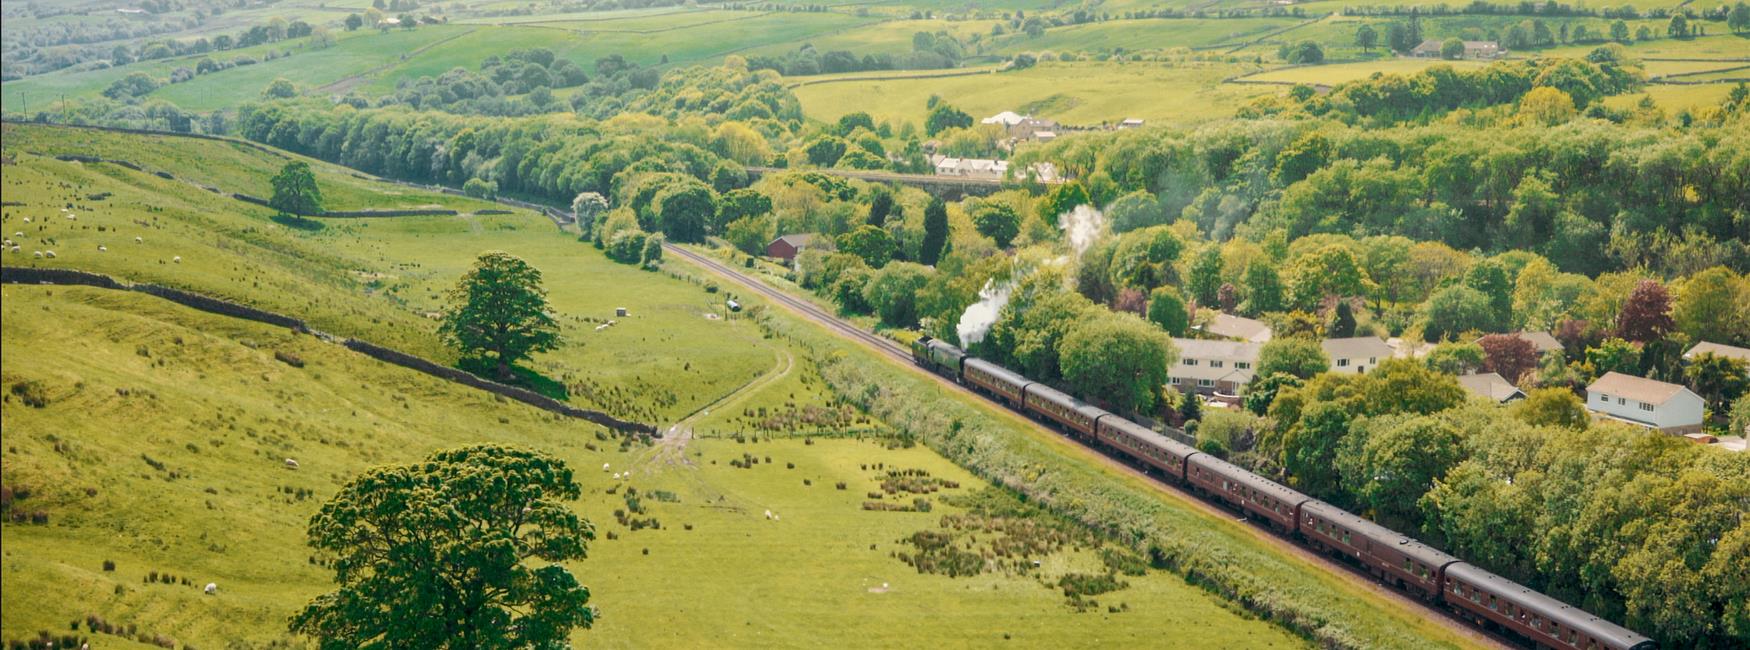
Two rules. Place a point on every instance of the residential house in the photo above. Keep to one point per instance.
(1238, 328)
(1482, 50)
(1491, 386)
(1718, 350)
(1213, 367)
(786, 247)
(1670, 408)
(1543, 341)
(1357, 354)
(972, 168)
(1005, 118)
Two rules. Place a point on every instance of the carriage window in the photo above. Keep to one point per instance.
(1493, 605)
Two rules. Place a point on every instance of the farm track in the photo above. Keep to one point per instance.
(1276, 540)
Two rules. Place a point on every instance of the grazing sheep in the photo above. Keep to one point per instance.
(768, 514)
(15, 248)
(604, 467)
(176, 260)
(616, 476)
(39, 255)
(102, 249)
(27, 219)
(291, 463)
(50, 255)
(72, 217)
(18, 234)
(139, 240)
(775, 517)
(212, 588)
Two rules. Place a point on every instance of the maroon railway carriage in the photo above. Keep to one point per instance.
(1143, 444)
(1252, 493)
(1057, 406)
(1000, 382)
(1411, 565)
(1546, 621)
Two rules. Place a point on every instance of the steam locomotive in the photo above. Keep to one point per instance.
(1408, 565)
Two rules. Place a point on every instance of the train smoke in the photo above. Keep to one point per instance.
(1082, 226)
(981, 315)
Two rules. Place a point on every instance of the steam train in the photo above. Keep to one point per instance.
(1408, 565)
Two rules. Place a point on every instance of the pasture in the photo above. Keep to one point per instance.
(1336, 73)
(1082, 94)
(1149, 34)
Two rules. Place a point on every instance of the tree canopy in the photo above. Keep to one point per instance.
(499, 308)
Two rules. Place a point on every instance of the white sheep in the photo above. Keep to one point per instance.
(604, 467)
(18, 234)
(27, 219)
(139, 240)
(72, 217)
(39, 255)
(212, 588)
(775, 517)
(102, 249)
(176, 260)
(291, 463)
(768, 514)
(616, 476)
(50, 255)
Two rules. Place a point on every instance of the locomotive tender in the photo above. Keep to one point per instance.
(1396, 559)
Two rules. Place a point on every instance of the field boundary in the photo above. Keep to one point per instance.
(209, 304)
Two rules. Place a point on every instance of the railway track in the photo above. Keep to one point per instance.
(1482, 637)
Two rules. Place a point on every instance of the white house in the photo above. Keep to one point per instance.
(1491, 386)
(1357, 354)
(1670, 408)
(1005, 118)
(972, 168)
(1718, 350)
(1213, 367)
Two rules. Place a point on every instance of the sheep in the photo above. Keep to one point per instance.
(39, 255)
(616, 476)
(139, 240)
(212, 588)
(27, 219)
(72, 217)
(176, 260)
(102, 249)
(604, 467)
(50, 255)
(18, 234)
(291, 464)
(768, 514)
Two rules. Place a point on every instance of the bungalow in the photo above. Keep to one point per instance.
(1492, 387)
(1670, 408)
(786, 247)
(1213, 367)
(1431, 49)
(972, 168)
(1718, 350)
(1130, 123)
(1357, 354)
(1229, 326)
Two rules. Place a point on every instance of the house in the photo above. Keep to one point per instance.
(1029, 128)
(1430, 49)
(1491, 386)
(972, 168)
(786, 247)
(1005, 118)
(1670, 408)
(1718, 350)
(1357, 354)
(1130, 123)
(1213, 367)
(1229, 326)
(1543, 341)
(1403, 348)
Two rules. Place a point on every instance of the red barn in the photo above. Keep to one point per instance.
(786, 247)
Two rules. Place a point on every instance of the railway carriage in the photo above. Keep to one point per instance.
(1255, 494)
(1547, 622)
(1410, 565)
(1143, 444)
(992, 379)
(1057, 406)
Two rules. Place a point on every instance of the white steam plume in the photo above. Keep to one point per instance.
(981, 315)
(1082, 226)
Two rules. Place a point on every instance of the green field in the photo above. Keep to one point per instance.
(1337, 73)
(1072, 93)
(1676, 98)
(891, 36)
(1152, 34)
(1712, 47)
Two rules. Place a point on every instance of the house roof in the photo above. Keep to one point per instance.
(1005, 118)
(796, 240)
(1542, 341)
(1224, 350)
(1359, 347)
(1639, 389)
(1718, 349)
(1237, 327)
(1490, 386)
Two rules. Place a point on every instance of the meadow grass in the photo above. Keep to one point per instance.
(1149, 34)
(1675, 98)
(1080, 93)
(1337, 73)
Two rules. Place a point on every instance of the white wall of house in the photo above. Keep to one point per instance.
(1683, 409)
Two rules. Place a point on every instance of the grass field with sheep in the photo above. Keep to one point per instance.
(146, 447)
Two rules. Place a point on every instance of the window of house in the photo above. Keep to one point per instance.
(1603, 398)
(1242, 365)
(1341, 363)
(1621, 401)
(1205, 382)
(1190, 362)
(1646, 407)
(1373, 361)
(1214, 363)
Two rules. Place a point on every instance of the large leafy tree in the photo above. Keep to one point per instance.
(295, 191)
(499, 308)
(1263, 288)
(1397, 461)
(1167, 309)
(1119, 359)
(1646, 316)
(462, 550)
(1508, 355)
(1455, 310)
(1717, 379)
(997, 221)
(685, 210)
(1295, 356)
(1715, 306)
(874, 245)
(935, 232)
(586, 207)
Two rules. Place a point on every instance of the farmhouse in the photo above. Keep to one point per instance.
(1238, 328)
(1356, 354)
(972, 168)
(1491, 386)
(1213, 367)
(1670, 408)
(1430, 49)
(1130, 123)
(1718, 350)
(786, 247)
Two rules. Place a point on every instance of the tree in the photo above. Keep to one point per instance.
(1508, 355)
(1304, 52)
(1646, 315)
(1547, 106)
(736, 205)
(500, 308)
(1405, 386)
(1061, 200)
(1309, 452)
(586, 207)
(1619, 32)
(463, 550)
(1307, 154)
(1190, 408)
(880, 205)
(1558, 407)
(1455, 358)
(874, 245)
(1167, 309)
(354, 21)
(997, 221)
(1455, 310)
(1452, 49)
(1118, 359)
(892, 292)
(1714, 305)
(1263, 288)
(944, 117)
(1739, 18)
(1204, 278)
(1678, 28)
(826, 150)
(1366, 37)
(480, 188)
(935, 232)
(1294, 356)
(684, 210)
(1399, 460)
(1342, 321)
(280, 88)
(295, 191)
(1491, 278)
(1614, 355)
(1718, 380)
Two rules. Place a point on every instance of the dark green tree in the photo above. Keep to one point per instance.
(1118, 359)
(880, 205)
(1167, 309)
(1310, 449)
(1204, 279)
(944, 117)
(1343, 321)
(684, 210)
(463, 550)
(935, 232)
(874, 245)
(1293, 356)
(499, 308)
(1366, 37)
(1263, 288)
(997, 221)
(295, 191)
